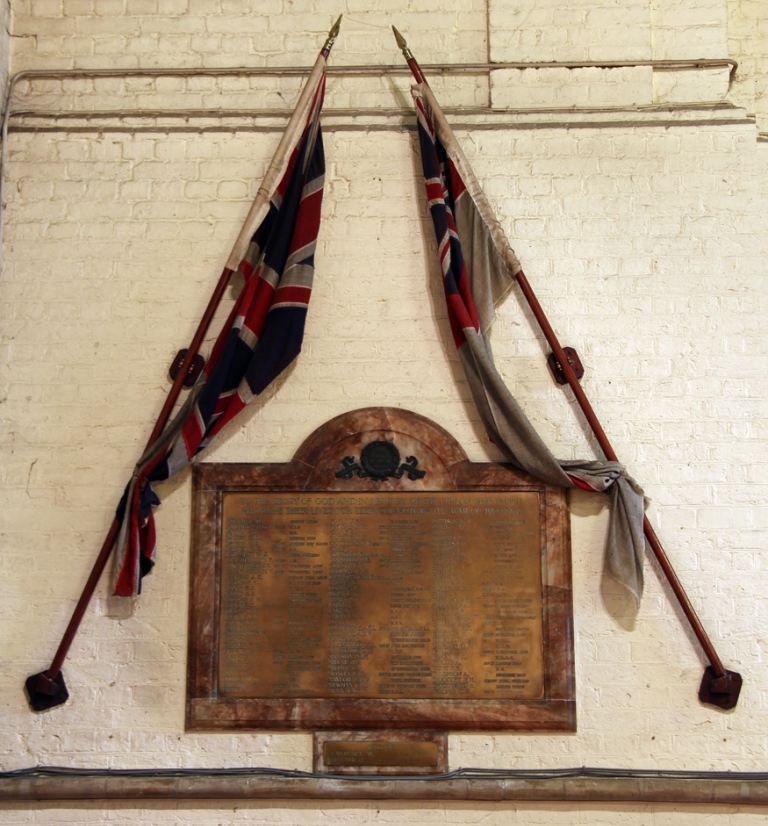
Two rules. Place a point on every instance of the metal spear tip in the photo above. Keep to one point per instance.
(332, 34)
(402, 44)
(400, 39)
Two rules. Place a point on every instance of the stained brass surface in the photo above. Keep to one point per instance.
(381, 595)
(374, 753)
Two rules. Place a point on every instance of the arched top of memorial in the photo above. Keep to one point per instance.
(379, 441)
(372, 449)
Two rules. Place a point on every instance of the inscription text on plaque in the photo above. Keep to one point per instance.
(408, 595)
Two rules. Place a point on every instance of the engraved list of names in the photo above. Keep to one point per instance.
(381, 595)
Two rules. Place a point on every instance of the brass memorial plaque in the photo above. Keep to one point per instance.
(350, 753)
(379, 582)
(387, 595)
(380, 752)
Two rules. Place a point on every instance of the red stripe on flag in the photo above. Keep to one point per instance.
(191, 433)
(292, 295)
(246, 268)
(434, 191)
(307, 221)
(457, 184)
(125, 585)
(580, 483)
(236, 404)
(259, 306)
(470, 309)
(458, 317)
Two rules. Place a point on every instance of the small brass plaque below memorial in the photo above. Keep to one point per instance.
(380, 753)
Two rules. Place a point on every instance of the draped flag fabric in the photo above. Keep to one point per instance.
(479, 268)
(262, 336)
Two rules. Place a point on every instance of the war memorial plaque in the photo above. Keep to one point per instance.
(380, 595)
(380, 580)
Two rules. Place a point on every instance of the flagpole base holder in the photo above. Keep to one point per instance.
(720, 691)
(44, 693)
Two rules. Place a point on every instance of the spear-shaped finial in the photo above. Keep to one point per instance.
(332, 35)
(414, 66)
(402, 44)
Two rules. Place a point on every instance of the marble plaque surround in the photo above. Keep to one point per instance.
(379, 581)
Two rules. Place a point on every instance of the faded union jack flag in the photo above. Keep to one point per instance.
(479, 268)
(261, 337)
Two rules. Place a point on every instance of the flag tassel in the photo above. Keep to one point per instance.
(47, 689)
(719, 686)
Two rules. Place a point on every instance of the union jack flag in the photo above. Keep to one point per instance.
(261, 337)
(479, 268)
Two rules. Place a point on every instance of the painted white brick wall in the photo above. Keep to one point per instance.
(585, 30)
(131, 33)
(645, 243)
(748, 44)
(697, 29)
(5, 48)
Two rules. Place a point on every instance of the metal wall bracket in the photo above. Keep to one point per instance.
(557, 370)
(195, 368)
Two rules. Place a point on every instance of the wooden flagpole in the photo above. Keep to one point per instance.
(47, 689)
(719, 686)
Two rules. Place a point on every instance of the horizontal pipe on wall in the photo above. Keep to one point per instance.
(360, 71)
(377, 113)
(370, 119)
(732, 789)
(375, 69)
(277, 71)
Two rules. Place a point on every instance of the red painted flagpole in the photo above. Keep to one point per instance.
(719, 686)
(47, 689)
